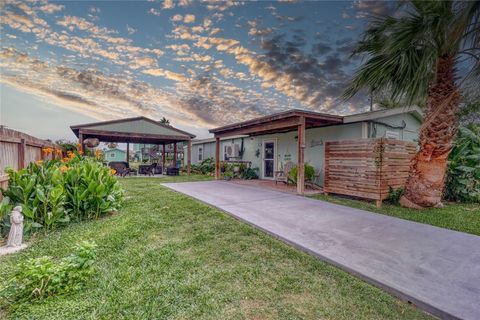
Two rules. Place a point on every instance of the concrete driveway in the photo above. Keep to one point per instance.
(434, 268)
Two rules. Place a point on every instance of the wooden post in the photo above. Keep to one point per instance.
(22, 150)
(174, 154)
(189, 156)
(128, 153)
(163, 159)
(301, 157)
(217, 158)
(80, 141)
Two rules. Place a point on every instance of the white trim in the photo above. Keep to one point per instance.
(209, 140)
(382, 114)
(364, 130)
(275, 151)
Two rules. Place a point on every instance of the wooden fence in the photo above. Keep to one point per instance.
(366, 168)
(18, 149)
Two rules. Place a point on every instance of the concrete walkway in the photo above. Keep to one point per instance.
(436, 269)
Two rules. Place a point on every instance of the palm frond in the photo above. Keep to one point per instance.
(402, 51)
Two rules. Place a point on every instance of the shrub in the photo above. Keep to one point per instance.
(42, 277)
(309, 173)
(56, 192)
(463, 174)
(250, 174)
(394, 195)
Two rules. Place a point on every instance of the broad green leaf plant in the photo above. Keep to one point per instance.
(56, 192)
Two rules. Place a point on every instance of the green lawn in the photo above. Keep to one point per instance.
(167, 256)
(454, 216)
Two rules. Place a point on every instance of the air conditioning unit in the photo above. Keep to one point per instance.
(232, 151)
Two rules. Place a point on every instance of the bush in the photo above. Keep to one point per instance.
(309, 173)
(394, 195)
(463, 174)
(56, 192)
(42, 277)
(250, 174)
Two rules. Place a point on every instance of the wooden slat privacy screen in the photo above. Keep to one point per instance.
(366, 168)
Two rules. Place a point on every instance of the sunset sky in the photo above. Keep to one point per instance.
(200, 64)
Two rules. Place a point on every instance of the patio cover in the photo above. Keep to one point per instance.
(135, 130)
(294, 119)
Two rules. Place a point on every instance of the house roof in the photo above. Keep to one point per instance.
(135, 130)
(278, 122)
(289, 120)
(372, 115)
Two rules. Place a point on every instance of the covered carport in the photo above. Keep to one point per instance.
(291, 120)
(136, 130)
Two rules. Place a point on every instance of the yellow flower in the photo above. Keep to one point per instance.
(63, 168)
(47, 150)
(39, 162)
(58, 151)
(98, 154)
(113, 171)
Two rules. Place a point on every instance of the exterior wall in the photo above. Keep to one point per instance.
(114, 155)
(315, 139)
(409, 133)
(208, 148)
(314, 146)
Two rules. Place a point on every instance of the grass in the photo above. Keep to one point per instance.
(454, 216)
(167, 256)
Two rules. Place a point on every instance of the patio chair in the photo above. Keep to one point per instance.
(122, 168)
(282, 175)
(150, 169)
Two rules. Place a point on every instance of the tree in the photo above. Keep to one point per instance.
(415, 55)
(165, 121)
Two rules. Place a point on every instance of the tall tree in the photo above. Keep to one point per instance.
(415, 55)
(165, 121)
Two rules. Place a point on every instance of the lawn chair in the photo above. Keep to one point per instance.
(150, 170)
(282, 175)
(122, 168)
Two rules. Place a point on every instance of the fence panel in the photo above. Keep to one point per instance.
(366, 168)
(18, 149)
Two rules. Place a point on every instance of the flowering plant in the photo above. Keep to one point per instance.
(53, 192)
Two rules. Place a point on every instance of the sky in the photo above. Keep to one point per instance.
(200, 64)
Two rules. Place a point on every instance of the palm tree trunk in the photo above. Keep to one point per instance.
(425, 184)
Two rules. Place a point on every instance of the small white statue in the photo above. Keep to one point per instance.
(16, 229)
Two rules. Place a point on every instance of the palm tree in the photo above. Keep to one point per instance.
(415, 55)
(165, 121)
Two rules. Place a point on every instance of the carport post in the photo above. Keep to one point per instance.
(128, 153)
(301, 157)
(80, 141)
(163, 159)
(217, 158)
(174, 154)
(189, 156)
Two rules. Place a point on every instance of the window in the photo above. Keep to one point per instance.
(200, 154)
(112, 155)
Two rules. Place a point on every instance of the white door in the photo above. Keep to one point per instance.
(269, 159)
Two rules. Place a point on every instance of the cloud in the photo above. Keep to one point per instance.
(168, 4)
(154, 11)
(189, 18)
(255, 31)
(51, 8)
(166, 74)
(131, 30)
(366, 8)
(177, 17)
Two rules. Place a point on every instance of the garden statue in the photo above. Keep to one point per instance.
(16, 229)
